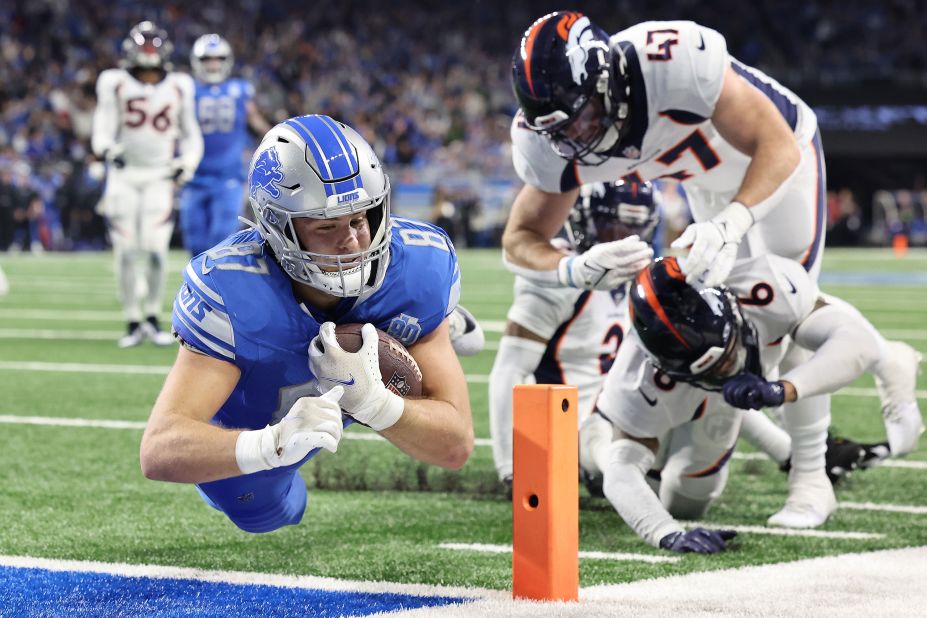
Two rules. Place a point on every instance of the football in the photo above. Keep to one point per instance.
(399, 370)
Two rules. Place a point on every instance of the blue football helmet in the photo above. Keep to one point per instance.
(317, 167)
(147, 47)
(207, 48)
(696, 336)
(607, 211)
(572, 86)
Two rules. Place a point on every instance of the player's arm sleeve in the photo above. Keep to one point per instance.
(191, 139)
(625, 486)
(844, 346)
(105, 116)
(200, 319)
(691, 81)
(537, 164)
(540, 309)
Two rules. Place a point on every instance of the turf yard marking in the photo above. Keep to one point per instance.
(593, 555)
(55, 335)
(38, 586)
(887, 508)
(361, 435)
(60, 314)
(819, 534)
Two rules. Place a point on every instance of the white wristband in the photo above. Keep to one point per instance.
(248, 452)
(389, 414)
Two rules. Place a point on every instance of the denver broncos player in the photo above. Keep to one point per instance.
(241, 409)
(666, 99)
(144, 110)
(564, 335)
(212, 200)
(695, 360)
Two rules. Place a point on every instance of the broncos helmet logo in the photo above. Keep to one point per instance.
(266, 174)
(580, 43)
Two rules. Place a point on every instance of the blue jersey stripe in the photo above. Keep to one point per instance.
(817, 244)
(788, 109)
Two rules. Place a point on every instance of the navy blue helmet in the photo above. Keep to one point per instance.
(572, 85)
(697, 336)
(607, 211)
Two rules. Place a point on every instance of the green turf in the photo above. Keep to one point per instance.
(78, 493)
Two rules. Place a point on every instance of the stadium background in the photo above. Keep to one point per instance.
(427, 83)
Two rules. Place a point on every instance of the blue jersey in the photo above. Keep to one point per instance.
(220, 110)
(236, 304)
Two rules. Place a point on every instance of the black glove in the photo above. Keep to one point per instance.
(752, 392)
(698, 540)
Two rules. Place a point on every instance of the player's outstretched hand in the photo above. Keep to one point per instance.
(365, 396)
(312, 422)
(713, 245)
(752, 392)
(606, 265)
(697, 540)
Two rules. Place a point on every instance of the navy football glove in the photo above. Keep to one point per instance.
(752, 392)
(698, 540)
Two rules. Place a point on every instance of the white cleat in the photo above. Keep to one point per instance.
(811, 501)
(134, 338)
(896, 387)
(4, 284)
(158, 336)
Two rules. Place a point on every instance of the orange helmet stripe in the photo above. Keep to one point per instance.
(645, 279)
(527, 48)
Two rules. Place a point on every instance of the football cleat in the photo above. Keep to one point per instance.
(507, 486)
(154, 333)
(896, 387)
(134, 337)
(842, 457)
(811, 501)
(874, 454)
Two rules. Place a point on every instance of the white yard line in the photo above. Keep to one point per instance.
(592, 555)
(887, 508)
(81, 315)
(58, 335)
(244, 578)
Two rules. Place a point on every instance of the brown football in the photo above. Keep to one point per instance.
(399, 370)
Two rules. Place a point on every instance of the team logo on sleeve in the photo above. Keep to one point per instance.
(266, 174)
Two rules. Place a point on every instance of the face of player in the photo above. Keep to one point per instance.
(587, 126)
(345, 235)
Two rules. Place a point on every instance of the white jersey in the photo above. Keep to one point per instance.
(676, 72)
(150, 121)
(775, 294)
(584, 329)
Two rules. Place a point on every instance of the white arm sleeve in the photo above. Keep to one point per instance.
(191, 139)
(516, 360)
(105, 116)
(626, 488)
(844, 347)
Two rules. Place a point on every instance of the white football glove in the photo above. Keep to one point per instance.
(714, 245)
(312, 422)
(180, 173)
(365, 396)
(606, 265)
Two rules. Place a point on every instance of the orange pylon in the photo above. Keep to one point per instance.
(545, 493)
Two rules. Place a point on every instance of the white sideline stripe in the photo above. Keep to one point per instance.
(62, 315)
(888, 508)
(81, 335)
(309, 582)
(361, 435)
(820, 534)
(890, 463)
(69, 422)
(84, 367)
(475, 378)
(592, 555)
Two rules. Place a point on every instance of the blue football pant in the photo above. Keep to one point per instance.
(209, 212)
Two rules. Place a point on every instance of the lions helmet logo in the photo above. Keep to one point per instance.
(266, 174)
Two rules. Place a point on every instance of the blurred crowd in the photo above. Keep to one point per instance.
(426, 82)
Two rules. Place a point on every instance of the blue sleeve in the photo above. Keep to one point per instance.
(199, 317)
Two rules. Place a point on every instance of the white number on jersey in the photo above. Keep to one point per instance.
(216, 114)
